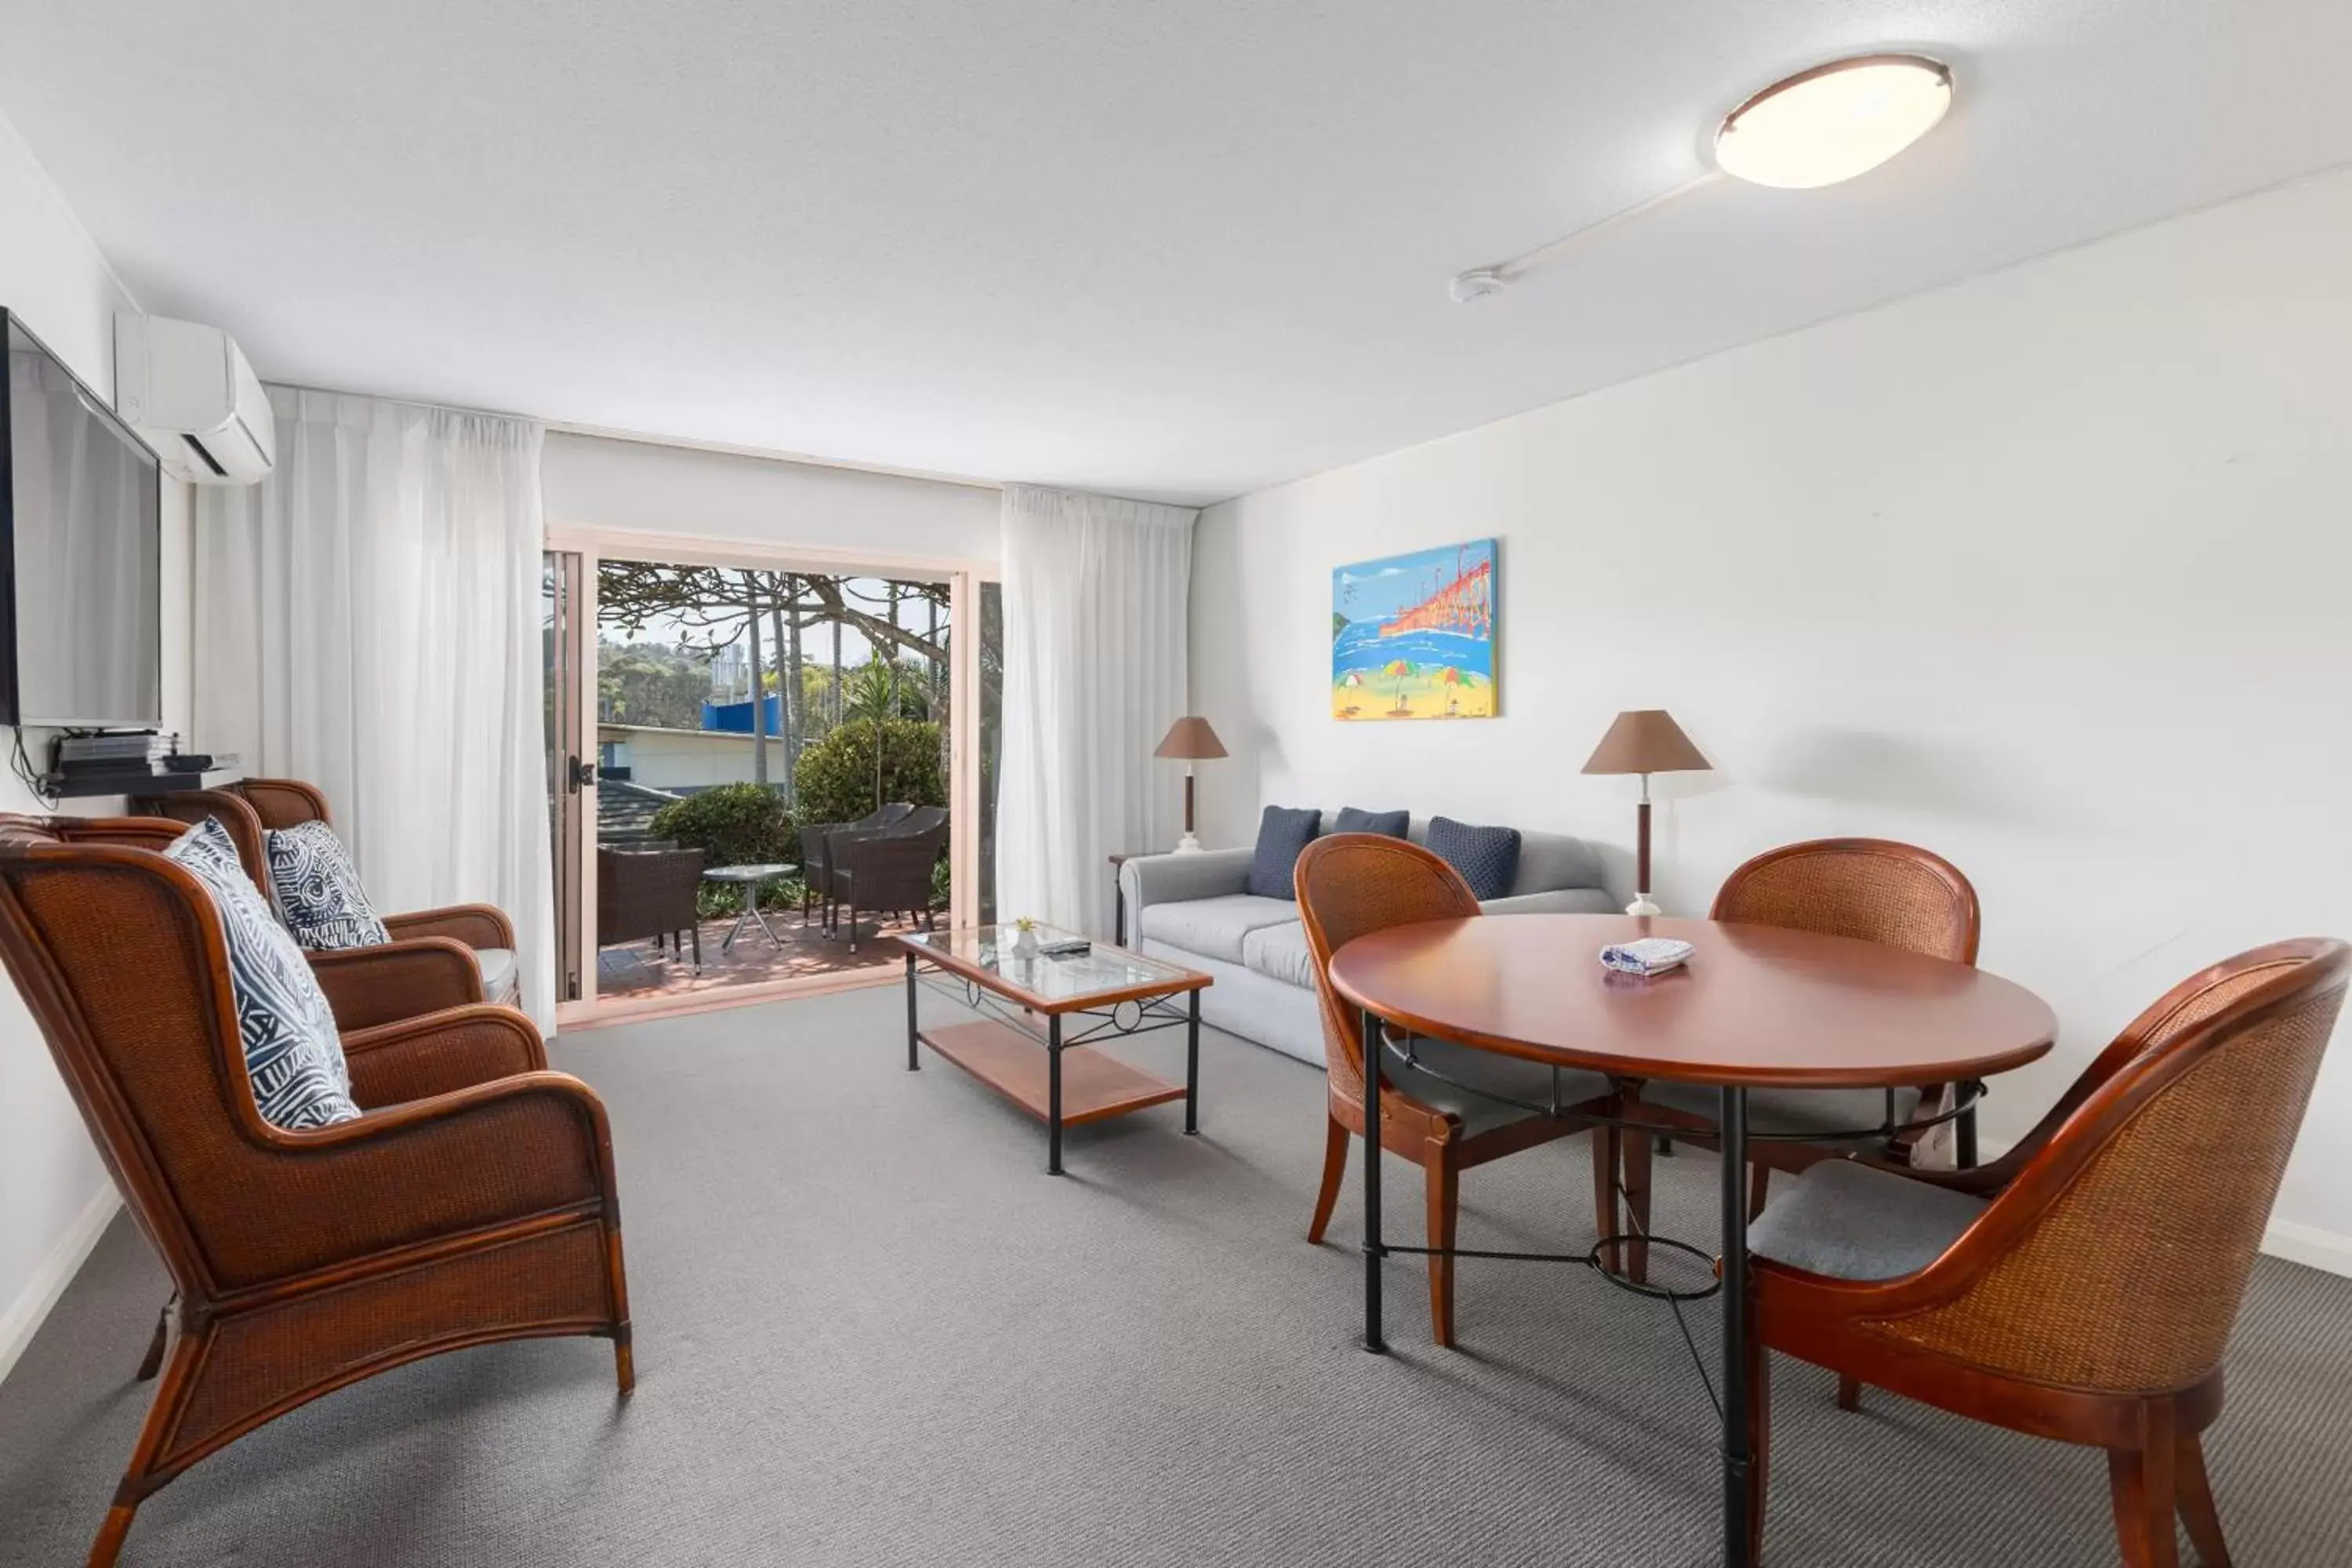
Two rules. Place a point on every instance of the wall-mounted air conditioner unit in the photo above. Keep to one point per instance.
(186, 388)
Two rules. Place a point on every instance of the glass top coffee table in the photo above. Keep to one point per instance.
(1040, 1013)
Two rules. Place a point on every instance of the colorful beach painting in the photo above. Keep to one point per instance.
(1413, 636)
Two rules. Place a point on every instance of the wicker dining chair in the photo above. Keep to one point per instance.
(473, 1200)
(1872, 890)
(2091, 1297)
(1443, 1106)
(249, 808)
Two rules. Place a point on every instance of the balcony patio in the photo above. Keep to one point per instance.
(635, 970)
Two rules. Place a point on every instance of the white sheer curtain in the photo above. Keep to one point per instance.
(368, 619)
(1095, 597)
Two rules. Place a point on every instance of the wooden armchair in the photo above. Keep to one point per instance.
(1443, 1106)
(1872, 890)
(2090, 1298)
(365, 986)
(473, 1201)
(482, 931)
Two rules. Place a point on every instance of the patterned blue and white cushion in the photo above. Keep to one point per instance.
(292, 1052)
(318, 891)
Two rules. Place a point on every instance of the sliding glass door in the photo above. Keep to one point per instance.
(570, 777)
(778, 767)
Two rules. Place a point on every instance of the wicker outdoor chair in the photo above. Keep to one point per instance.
(649, 890)
(249, 808)
(1872, 890)
(1432, 1111)
(472, 1201)
(888, 868)
(816, 859)
(2090, 1298)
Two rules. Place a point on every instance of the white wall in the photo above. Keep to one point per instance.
(55, 1197)
(634, 487)
(2050, 571)
(686, 758)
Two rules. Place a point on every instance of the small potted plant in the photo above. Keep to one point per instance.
(1025, 937)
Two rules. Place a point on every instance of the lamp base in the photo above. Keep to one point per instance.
(1643, 906)
(1187, 845)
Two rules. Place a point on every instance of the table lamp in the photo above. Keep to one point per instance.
(1646, 741)
(1191, 739)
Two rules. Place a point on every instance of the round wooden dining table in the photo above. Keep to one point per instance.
(1754, 1007)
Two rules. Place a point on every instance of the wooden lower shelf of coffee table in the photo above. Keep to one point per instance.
(1095, 1087)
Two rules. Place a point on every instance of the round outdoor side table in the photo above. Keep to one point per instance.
(1756, 1006)
(751, 878)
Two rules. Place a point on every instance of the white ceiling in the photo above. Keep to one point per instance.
(1175, 248)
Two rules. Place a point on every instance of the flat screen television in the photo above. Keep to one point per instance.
(81, 604)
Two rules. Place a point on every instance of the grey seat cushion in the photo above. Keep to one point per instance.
(1457, 1075)
(502, 982)
(1214, 928)
(1549, 861)
(1279, 952)
(1853, 1221)
(1818, 1113)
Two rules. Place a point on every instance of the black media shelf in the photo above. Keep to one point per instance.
(65, 786)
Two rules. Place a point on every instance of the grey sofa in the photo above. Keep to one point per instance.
(1196, 910)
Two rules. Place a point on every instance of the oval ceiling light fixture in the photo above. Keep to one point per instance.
(1833, 121)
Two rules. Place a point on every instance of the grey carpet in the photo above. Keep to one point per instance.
(870, 1331)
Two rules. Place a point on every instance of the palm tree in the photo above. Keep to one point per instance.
(877, 690)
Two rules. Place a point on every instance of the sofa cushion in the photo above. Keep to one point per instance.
(501, 981)
(1282, 833)
(1552, 861)
(1853, 1221)
(293, 1054)
(1488, 857)
(1279, 952)
(1558, 901)
(1387, 823)
(318, 892)
(1214, 928)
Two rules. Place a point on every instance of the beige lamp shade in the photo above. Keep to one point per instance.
(1192, 738)
(1646, 740)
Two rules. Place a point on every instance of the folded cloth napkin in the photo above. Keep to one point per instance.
(1650, 955)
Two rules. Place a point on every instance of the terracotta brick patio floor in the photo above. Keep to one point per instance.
(636, 970)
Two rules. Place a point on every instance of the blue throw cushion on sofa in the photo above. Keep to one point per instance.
(1488, 857)
(1387, 823)
(1282, 833)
